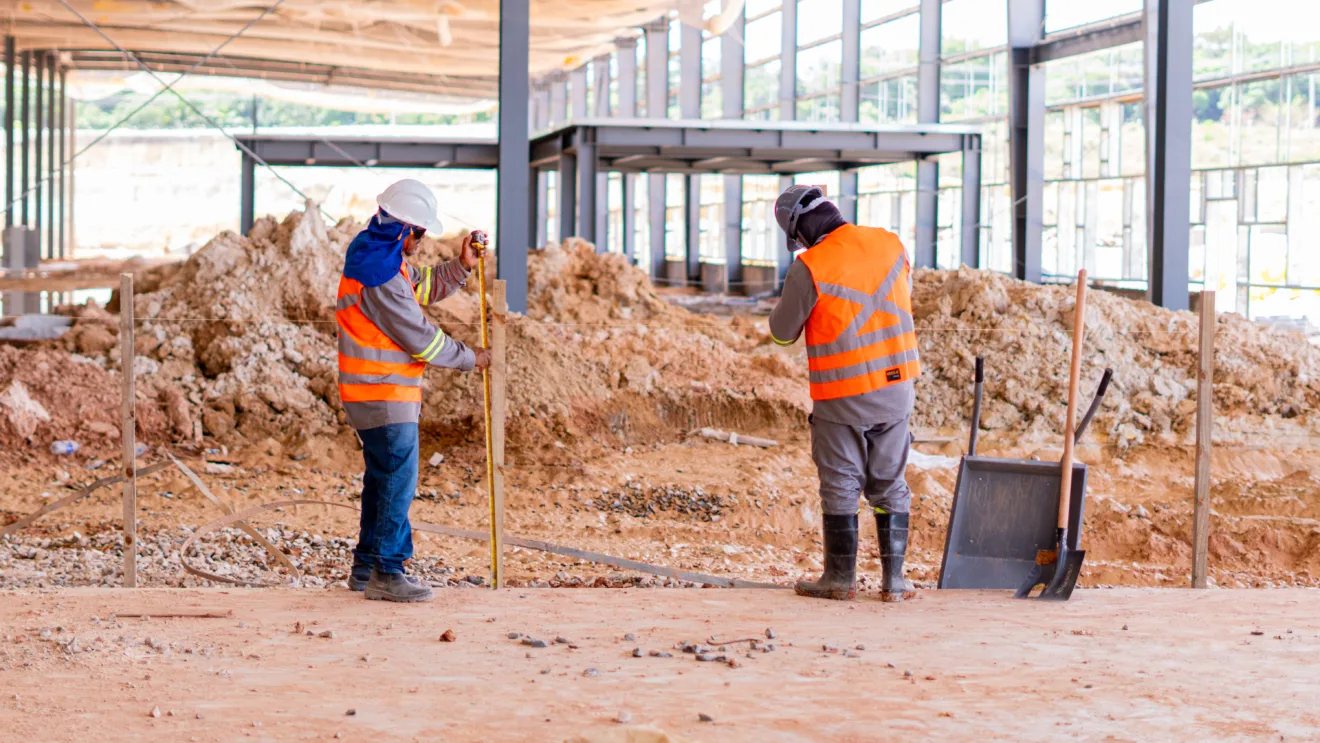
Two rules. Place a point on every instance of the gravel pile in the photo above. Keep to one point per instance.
(645, 502)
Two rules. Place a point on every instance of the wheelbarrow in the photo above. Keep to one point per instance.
(1005, 511)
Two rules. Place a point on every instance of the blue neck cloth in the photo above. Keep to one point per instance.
(376, 253)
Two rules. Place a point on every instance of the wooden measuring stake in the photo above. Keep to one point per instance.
(498, 368)
(128, 421)
(1205, 411)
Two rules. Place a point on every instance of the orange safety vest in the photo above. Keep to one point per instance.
(860, 334)
(379, 370)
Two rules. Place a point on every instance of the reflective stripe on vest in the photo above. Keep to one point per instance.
(372, 368)
(860, 335)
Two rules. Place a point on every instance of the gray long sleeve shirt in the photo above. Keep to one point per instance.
(787, 321)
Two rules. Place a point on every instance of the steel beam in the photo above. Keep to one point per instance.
(1168, 92)
(1117, 32)
(39, 151)
(692, 224)
(928, 112)
(628, 188)
(788, 62)
(513, 181)
(971, 202)
(51, 180)
(657, 107)
(1026, 18)
(247, 196)
(11, 67)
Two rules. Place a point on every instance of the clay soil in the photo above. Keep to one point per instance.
(1117, 665)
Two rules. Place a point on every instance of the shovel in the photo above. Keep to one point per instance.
(1057, 569)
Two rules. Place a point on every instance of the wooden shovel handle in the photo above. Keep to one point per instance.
(1074, 374)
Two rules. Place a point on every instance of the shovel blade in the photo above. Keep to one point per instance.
(1064, 580)
(1041, 573)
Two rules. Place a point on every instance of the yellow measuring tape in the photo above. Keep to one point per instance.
(496, 578)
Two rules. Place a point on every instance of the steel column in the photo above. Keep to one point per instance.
(788, 62)
(1026, 19)
(627, 56)
(558, 96)
(586, 185)
(689, 107)
(51, 180)
(25, 125)
(61, 186)
(247, 194)
(514, 175)
(784, 258)
(731, 84)
(39, 152)
(971, 202)
(11, 67)
(657, 107)
(850, 103)
(600, 79)
(928, 112)
(566, 191)
(577, 84)
(1168, 92)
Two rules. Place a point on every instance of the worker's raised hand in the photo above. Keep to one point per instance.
(474, 246)
(483, 358)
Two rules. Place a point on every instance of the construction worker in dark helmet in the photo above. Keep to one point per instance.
(850, 291)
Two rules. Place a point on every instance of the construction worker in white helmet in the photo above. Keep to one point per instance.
(385, 344)
(850, 292)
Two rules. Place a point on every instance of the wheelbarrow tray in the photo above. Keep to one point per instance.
(1004, 511)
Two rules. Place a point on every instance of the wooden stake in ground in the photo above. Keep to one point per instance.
(129, 423)
(1204, 417)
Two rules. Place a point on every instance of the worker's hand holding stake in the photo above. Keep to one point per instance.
(1058, 569)
(477, 242)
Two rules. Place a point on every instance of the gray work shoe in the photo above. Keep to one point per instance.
(357, 584)
(397, 587)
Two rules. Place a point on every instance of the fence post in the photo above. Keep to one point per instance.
(129, 428)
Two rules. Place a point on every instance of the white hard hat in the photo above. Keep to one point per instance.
(412, 202)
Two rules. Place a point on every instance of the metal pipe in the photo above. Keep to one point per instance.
(1095, 405)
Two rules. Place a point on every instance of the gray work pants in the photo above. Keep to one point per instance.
(861, 460)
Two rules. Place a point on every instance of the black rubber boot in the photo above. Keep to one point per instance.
(837, 582)
(893, 530)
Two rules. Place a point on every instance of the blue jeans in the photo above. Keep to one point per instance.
(388, 486)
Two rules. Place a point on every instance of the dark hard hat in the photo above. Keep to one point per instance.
(793, 203)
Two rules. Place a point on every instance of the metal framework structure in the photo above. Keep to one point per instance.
(598, 117)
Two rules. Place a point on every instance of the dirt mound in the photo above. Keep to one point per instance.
(1264, 378)
(240, 339)
(47, 395)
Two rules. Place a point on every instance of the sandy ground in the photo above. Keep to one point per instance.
(1119, 664)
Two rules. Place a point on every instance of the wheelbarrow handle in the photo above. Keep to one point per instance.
(1095, 405)
(976, 406)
